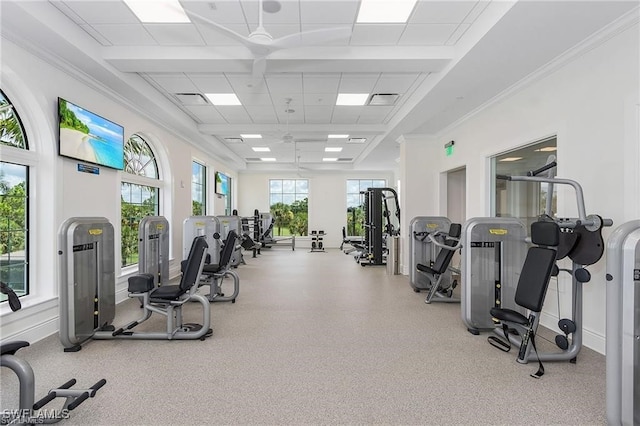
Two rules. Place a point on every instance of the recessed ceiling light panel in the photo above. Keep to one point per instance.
(333, 149)
(261, 149)
(251, 136)
(338, 136)
(509, 159)
(223, 98)
(352, 99)
(158, 11)
(385, 11)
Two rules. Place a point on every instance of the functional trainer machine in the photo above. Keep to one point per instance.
(29, 412)
(623, 325)
(87, 289)
(381, 219)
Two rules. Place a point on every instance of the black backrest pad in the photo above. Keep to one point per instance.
(534, 278)
(229, 247)
(195, 260)
(545, 233)
(443, 259)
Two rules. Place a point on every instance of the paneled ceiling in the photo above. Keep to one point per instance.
(447, 59)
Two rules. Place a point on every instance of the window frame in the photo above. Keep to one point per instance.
(204, 173)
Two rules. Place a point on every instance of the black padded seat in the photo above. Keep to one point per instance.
(225, 255)
(10, 348)
(166, 292)
(443, 259)
(509, 315)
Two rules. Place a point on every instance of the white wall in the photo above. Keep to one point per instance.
(59, 191)
(327, 198)
(591, 104)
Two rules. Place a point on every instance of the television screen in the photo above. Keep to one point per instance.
(222, 184)
(86, 136)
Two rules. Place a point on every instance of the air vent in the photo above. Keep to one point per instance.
(253, 159)
(383, 99)
(233, 140)
(357, 140)
(345, 159)
(191, 99)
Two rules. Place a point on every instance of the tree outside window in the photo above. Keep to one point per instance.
(289, 200)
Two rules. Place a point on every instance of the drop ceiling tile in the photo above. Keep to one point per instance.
(289, 13)
(427, 34)
(376, 34)
(357, 83)
(175, 34)
(103, 12)
(215, 83)
(235, 114)
(394, 82)
(319, 83)
(261, 114)
(206, 114)
(175, 84)
(255, 99)
(244, 83)
(338, 12)
(221, 12)
(377, 112)
(441, 12)
(125, 34)
(215, 37)
(285, 83)
(317, 114)
(317, 99)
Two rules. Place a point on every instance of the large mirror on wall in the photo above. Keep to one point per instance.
(524, 200)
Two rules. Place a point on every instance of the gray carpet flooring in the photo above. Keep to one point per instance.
(314, 338)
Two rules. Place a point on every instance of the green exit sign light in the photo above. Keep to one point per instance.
(448, 148)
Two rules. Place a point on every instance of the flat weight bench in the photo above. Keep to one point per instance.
(435, 272)
(539, 266)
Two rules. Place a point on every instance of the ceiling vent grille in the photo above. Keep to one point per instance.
(357, 140)
(383, 99)
(233, 140)
(253, 159)
(191, 99)
(345, 159)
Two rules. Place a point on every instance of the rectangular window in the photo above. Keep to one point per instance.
(523, 200)
(355, 202)
(137, 201)
(198, 189)
(227, 202)
(14, 230)
(289, 200)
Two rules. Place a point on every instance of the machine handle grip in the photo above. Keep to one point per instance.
(542, 169)
(97, 386)
(45, 400)
(503, 177)
(79, 400)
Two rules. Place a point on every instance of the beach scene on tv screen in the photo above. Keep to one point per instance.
(89, 137)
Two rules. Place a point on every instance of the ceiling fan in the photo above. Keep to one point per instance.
(262, 44)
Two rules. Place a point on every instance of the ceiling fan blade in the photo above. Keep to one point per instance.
(259, 68)
(226, 31)
(313, 37)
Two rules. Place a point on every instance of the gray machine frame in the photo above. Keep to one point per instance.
(87, 290)
(207, 226)
(227, 223)
(623, 325)
(153, 248)
(493, 252)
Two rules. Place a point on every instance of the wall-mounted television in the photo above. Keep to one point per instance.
(88, 137)
(222, 184)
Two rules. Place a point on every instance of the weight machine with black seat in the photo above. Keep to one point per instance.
(580, 240)
(87, 289)
(420, 248)
(440, 290)
(29, 412)
(381, 219)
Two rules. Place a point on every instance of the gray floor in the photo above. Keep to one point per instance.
(314, 338)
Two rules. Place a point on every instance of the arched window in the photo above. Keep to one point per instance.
(14, 201)
(140, 194)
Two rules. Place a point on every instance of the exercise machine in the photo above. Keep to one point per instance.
(581, 241)
(202, 226)
(228, 223)
(381, 219)
(153, 248)
(623, 325)
(30, 412)
(267, 239)
(317, 241)
(440, 290)
(87, 289)
(493, 252)
(421, 250)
